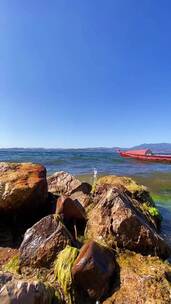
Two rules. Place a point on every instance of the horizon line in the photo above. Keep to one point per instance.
(76, 148)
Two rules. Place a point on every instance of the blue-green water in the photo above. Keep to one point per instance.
(82, 162)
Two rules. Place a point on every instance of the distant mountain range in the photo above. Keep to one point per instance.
(161, 147)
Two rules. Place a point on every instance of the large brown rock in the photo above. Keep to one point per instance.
(70, 209)
(73, 215)
(26, 292)
(66, 184)
(142, 280)
(43, 241)
(116, 221)
(138, 193)
(22, 186)
(93, 269)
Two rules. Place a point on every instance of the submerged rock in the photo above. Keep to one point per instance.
(141, 280)
(26, 292)
(66, 184)
(116, 221)
(93, 268)
(43, 241)
(22, 186)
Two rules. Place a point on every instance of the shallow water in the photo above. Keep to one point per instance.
(82, 162)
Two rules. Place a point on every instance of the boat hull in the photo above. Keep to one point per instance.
(150, 158)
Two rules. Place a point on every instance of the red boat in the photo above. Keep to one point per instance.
(146, 155)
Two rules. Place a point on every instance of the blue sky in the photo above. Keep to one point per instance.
(84, 73)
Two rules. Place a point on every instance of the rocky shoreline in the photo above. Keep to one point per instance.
(66, 241)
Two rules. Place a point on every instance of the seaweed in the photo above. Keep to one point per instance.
(62, 270)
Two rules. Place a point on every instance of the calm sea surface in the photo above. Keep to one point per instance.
(83, 163)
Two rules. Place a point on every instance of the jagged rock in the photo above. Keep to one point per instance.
(146, 208)
(141, 280)
(26, 292)
(138, 193)
(43, 241)
(22, 186)
(66, 184)
(93, 268)
(116, 221)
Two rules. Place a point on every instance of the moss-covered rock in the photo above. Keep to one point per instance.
(127, 182)
(139, 194)
(6, 254)
(134, 189)
(118, 220)
(62, 271)
(142, 279)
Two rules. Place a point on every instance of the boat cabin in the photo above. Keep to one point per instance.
(144, 152)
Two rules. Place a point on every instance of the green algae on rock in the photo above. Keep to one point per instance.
(12, 265)
(62, 271)
(127, 182)
(153, 211)
(136, 190)
(142, 280)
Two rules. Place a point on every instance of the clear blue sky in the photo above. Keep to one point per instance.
(84, 73)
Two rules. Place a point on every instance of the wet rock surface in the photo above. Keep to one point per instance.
(22, 186)
(93, 269)
(115, 220)
(43, 242)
